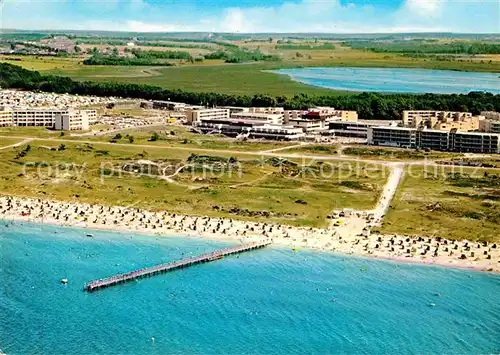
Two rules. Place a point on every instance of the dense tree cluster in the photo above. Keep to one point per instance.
(324, 45)
(153, 55)
(368, 105)
(113, 59)
(427, 47)
(237, 55)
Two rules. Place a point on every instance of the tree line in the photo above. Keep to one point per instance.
(368, 105)
(413, 47)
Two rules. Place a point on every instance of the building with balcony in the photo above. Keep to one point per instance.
(392, 136)
(72, 121)
(474, 142)
(196, 115)
(5, 118)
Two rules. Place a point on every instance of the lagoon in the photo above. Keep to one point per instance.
(396, 80)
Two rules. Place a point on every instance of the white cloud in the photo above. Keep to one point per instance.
(424, 7)
(330, 16)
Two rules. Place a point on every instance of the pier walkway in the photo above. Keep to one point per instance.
(158, 269)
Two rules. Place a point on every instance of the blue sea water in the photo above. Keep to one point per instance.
(396, 80)
(267, 301)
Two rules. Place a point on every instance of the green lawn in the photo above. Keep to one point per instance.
(5, 141)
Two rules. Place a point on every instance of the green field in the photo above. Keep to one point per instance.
(463, 206)
(253, 188)
(5, 141)
(243, 78)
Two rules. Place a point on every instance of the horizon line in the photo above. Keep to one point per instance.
(3, 31)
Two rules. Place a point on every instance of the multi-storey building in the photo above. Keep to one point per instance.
(50, 118)
(349, 129)
(454, 140)
(430, 119)
(491, 115)
(474, 142)
(432, 139)
(392, 136)
(5, 118)
(72, 121)
(197, 115)
(270, 118)
(490, 126)
(250, 129)
(37, 117)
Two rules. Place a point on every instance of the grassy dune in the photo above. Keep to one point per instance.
(466, 206)
(259, 189)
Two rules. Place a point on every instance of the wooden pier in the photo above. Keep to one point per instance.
(158, 269)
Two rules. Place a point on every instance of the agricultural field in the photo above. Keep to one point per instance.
(450, 202)
(191, 182)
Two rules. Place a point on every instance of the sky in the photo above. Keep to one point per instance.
(254, 16)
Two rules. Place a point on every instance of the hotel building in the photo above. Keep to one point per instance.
(196, 115)
(454, 140)
(72, 121)
(5, 118)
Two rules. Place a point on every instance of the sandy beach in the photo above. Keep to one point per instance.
(350, 237)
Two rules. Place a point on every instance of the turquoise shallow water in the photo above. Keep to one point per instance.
(267, 301)
(396, 80)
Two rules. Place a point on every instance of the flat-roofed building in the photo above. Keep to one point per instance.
(5, 118)
(308, 125)
(392, 136)
(474, 142)
(273, 110)
(36, 117)
(250, 129)
(454, 140)
(429, 119)
(490, 126)
(72, 121)
(491, 115)
(349, 129)
(168, 105)
(269, 118)
(197, 115)
(432, 139)
(91, 115)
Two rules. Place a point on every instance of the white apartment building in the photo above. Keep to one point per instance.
(5, 118)
(39, 117)
(72, 121)
(270, 118)
(91, 115)
(36, 117)
(197, 115)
